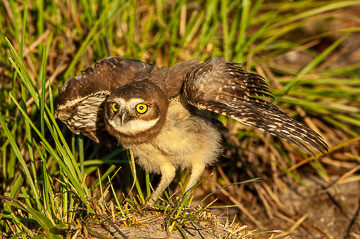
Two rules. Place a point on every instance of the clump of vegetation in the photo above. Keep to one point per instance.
(55, 184)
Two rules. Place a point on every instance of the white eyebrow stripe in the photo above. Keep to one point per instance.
(135, 101)
(127, 104)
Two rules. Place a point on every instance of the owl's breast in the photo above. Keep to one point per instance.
(183, 138)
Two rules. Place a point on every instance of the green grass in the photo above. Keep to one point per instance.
(51, 179)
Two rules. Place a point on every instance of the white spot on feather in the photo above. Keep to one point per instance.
(98, 96)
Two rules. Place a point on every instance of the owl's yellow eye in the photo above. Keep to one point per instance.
(141, 108)
(115, 107)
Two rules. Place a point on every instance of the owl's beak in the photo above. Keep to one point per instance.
(123, 117)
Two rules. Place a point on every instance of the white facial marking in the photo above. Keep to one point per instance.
(133, 102)
(133, 126)
(128, 104)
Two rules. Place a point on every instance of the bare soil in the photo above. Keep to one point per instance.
(152, 225)
(322, 212)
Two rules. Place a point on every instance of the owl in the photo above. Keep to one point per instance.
(163, 114)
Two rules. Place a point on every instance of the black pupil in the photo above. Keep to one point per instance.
(116, 106)
(141, 107)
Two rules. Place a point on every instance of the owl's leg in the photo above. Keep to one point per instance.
(167, 176)
(197, 168)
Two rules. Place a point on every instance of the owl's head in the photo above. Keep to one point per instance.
(135, 113)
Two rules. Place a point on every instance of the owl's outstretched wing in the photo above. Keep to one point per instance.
(80, 100)
(227, 89)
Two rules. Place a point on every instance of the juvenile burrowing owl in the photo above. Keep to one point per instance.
(162, 113)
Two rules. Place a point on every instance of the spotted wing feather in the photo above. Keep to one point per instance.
(229, 90)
